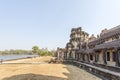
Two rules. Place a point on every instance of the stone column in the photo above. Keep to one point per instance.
(96, 57)
(76, 55)
(104, 56)
(83, 57)
(58, 55)
(117, 57)
(80, 56)
(66, 55)
(88, 58)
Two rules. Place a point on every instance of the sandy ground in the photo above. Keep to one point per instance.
(43, 71)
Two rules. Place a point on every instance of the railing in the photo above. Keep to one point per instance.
(101, 72)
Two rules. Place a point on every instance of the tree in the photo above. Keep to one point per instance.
(53, 53)
(35, 49)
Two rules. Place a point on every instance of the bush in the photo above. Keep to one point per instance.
(44, 53)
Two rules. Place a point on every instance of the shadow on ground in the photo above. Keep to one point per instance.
(31, 76)
(72, 74)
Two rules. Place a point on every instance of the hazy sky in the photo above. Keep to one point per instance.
(47, 23)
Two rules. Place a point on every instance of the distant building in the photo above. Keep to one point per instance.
(44, 49)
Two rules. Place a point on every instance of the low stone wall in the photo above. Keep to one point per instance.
(112, 68)
(101, 72)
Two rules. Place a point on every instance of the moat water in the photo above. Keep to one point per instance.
(12, 57)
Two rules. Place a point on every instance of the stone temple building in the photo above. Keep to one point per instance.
(77, 38)
(102, 51)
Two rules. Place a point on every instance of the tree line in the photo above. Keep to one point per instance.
(35, 50)
(41, 52)
(16, 52)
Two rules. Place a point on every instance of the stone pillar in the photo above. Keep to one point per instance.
(58, 55)
(83, 57)
(96, 57)
(64, 55)
(117, 57)
(75, 55)
(88, 58)
(104, 56)
(68, 54)
(78, 56)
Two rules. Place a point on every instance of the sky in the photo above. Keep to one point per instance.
(48, 23)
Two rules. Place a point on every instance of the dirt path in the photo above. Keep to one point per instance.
(43, 71)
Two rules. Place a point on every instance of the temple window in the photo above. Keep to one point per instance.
(91, 57)
(108, 56)
(108, 40)
(117, 37)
